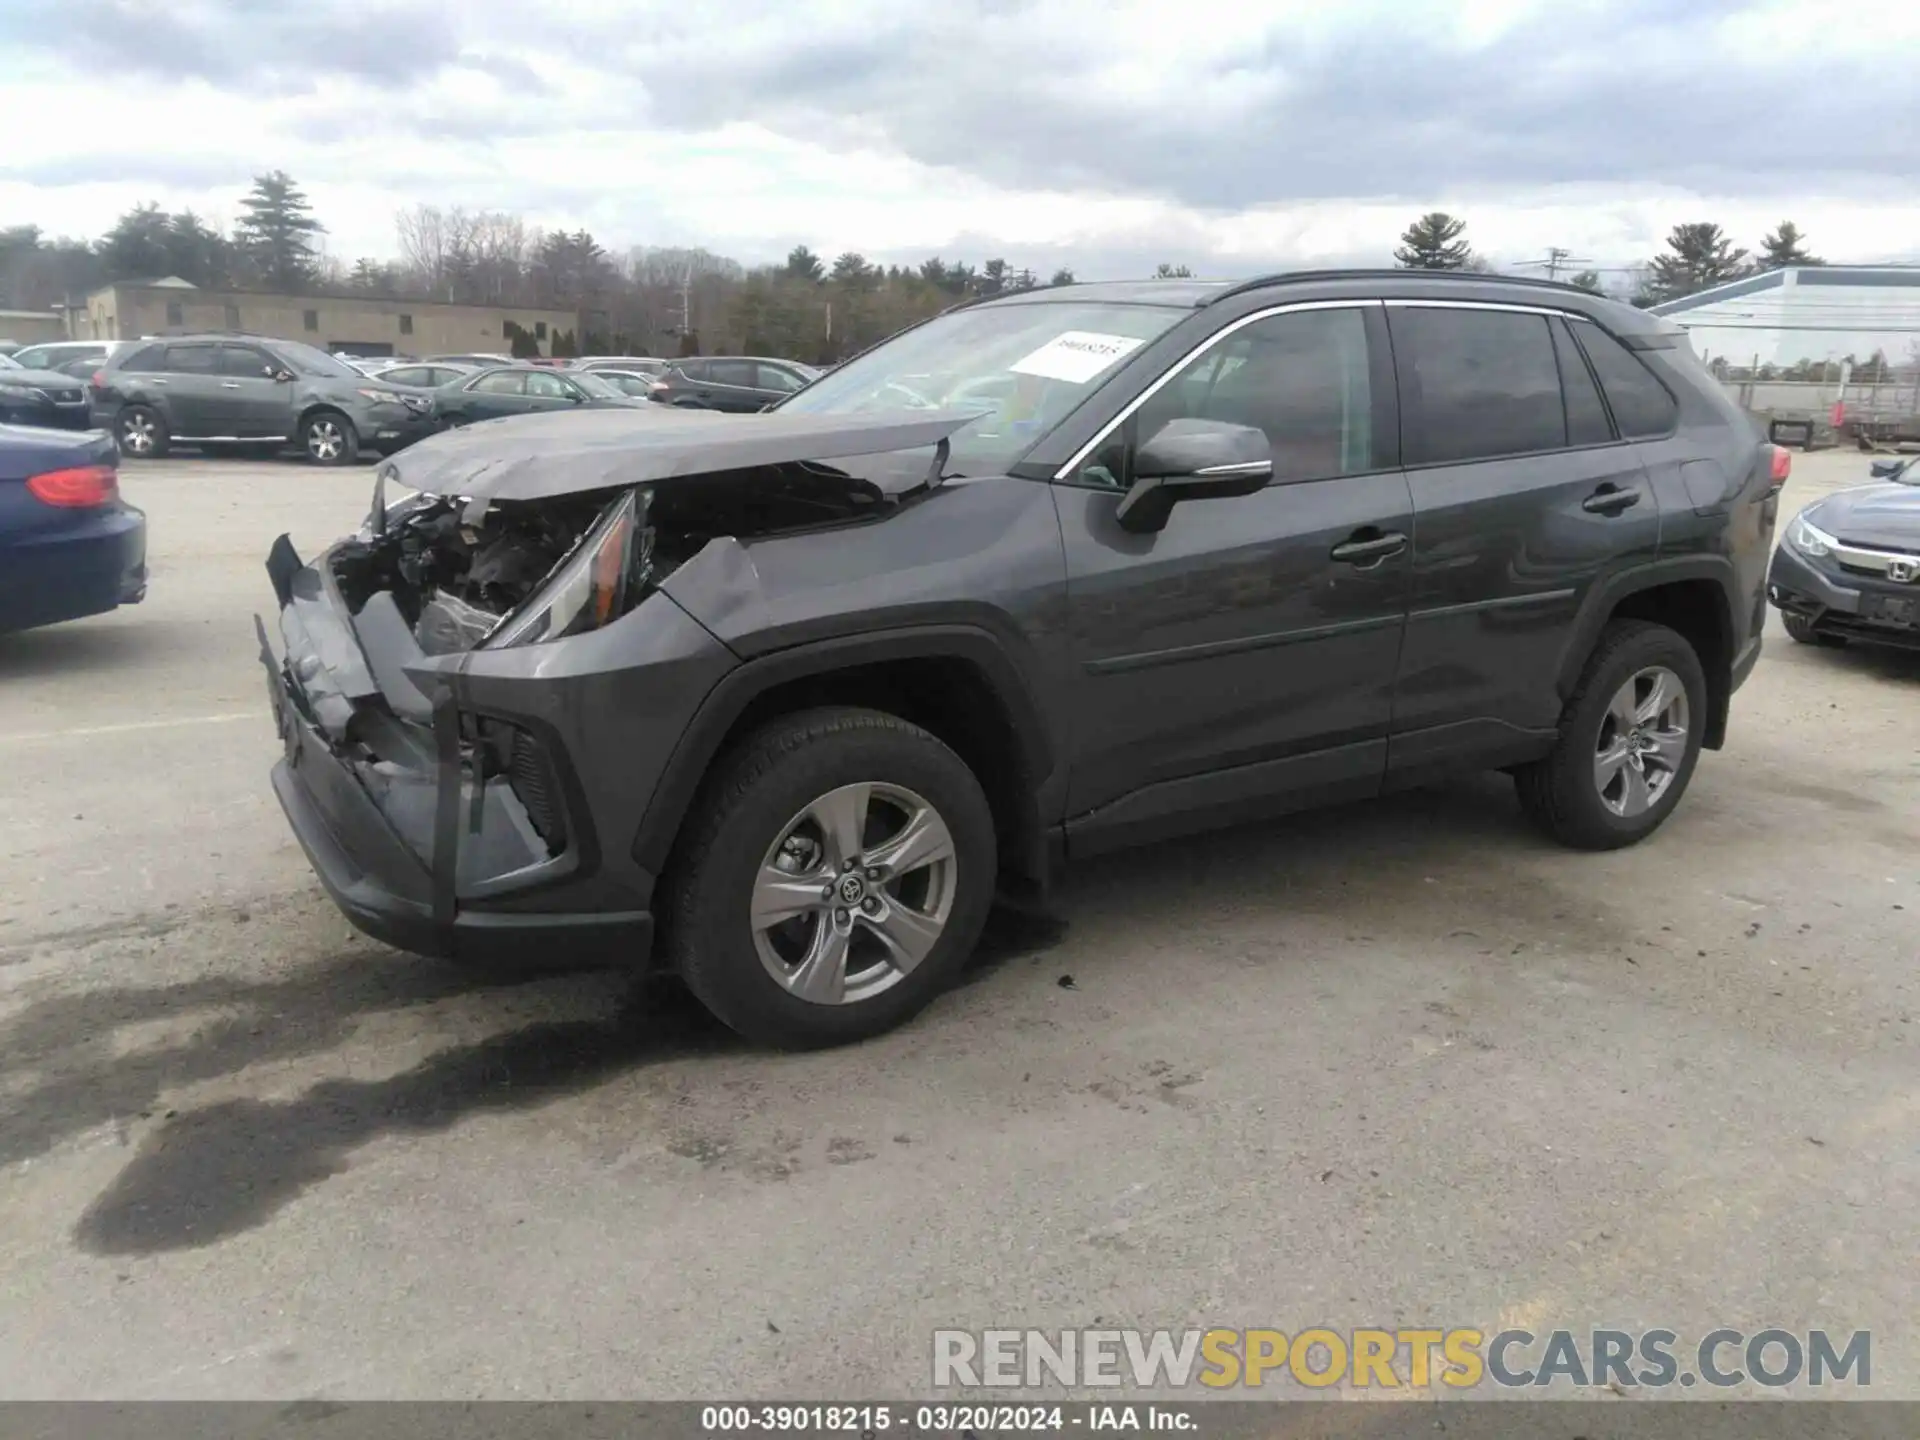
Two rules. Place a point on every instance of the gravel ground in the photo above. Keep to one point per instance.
(1393, 1065)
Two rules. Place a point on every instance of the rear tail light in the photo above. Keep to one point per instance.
(1782, 465)
(82, 488)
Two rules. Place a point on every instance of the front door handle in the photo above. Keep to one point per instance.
(229, 384)
(1610, 500)
(1369, 551)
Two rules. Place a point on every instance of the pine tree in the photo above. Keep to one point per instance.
(1433, 243)
(1172, 272)
(1588, 280)
(1786, 246)
(1700, 256)
(276, 232)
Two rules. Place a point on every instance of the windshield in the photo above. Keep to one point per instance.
(309, 361)
(1024, 367)
(594, 386)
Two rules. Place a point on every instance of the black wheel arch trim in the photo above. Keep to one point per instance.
(699, 745)
(1608, 593)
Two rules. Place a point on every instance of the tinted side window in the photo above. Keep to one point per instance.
(145, 361)
(407, 375)
(1302, 378)
(190, 359)
(774, 378)
(1586, 416)
(502, 382)
(33, 359)
(1641, 405)
(246, 363)
(548, 387)
(693, 369)
(1475, 385)
(733, 372)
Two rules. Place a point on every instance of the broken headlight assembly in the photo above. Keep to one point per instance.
(595, 585)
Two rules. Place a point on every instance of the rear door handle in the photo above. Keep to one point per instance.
(1369, 551)
(1608, 500)
(229, 384)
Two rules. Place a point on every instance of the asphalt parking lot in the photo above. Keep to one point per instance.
(1400, 1064)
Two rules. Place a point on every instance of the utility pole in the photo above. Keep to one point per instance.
(686, 302)
(1558, 258)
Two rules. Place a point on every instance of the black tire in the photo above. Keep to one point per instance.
(753, 795)
(1800, 629)
(328, 438)
(1560, 792)
(141, 433)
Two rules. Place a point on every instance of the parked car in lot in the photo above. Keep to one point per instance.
(423, 376)
(69, 545)
(802, 690)
(633, 383)
(41, 397)
(731, 382)
(1850, 566)
(215, 390)
(477, 361)
(642, 364)
(76, 358)
(521, 390)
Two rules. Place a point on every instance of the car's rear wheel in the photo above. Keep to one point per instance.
(1800, 629)
(328, 437)
(141, 432)
(1629, 739)
(839, 870)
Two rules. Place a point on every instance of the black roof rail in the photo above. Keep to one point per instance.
(1291, 277)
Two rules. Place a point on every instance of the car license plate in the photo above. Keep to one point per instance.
(1891, 609)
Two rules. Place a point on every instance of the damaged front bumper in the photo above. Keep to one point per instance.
(438, 797)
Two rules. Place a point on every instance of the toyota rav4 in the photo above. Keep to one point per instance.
(1054, 573)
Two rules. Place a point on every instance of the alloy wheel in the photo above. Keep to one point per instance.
(854, 893)
(136, 433)
(1642, 742)
(324, 440)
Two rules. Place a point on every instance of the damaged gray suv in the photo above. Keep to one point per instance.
(782, 701)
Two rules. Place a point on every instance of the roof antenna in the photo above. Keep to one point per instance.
(940, 453)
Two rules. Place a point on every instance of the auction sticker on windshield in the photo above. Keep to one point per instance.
(1075, 356)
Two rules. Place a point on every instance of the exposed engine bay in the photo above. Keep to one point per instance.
(457, 571)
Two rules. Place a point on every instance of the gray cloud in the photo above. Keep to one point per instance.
(279, 45)
(1638, 95)
(1651, 99)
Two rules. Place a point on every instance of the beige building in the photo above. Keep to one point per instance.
(29, 327)
(354, 324)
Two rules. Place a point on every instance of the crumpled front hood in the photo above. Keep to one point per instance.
(539, 457)
(1885, 514)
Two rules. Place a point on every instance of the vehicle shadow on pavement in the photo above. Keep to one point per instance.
(71, 649)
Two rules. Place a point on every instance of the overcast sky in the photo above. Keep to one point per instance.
(1100, 134)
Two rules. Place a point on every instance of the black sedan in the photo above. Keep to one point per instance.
(523, 390)
(1849, 568)
(42, 397)
(69, 545)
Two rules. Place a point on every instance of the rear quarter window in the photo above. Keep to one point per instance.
(1642, 407)
(145, 360)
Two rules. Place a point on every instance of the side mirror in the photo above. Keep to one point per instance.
(1883, 469)
(1193, 460)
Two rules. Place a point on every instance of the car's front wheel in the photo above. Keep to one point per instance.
(1800, 629)
(329, 438)
(837, 872)
(1629, 739)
